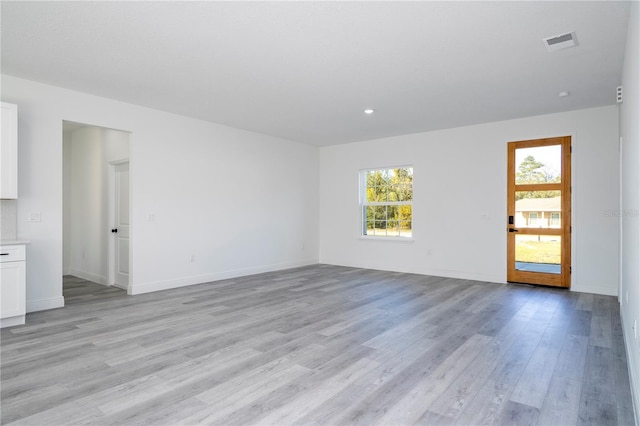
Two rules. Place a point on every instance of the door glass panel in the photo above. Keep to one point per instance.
(538, 253)
(536, 165)
(538, 209)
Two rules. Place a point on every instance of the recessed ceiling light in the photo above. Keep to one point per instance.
(563, 94)
(369, 111)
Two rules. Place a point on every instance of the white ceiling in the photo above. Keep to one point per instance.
(305, 71)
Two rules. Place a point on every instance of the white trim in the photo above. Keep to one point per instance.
(433, 272)
(634, 380)
(620, 225)
(382, 238)
(12, 321)
(387, 203)
(397, 166)
(201, 279)
(592, 289)
(45, 304)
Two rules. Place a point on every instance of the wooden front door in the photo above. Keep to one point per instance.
(539, 212)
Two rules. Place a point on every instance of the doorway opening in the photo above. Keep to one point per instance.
(539, 212)
(92, 205)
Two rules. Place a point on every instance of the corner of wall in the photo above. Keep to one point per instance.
(630, 204)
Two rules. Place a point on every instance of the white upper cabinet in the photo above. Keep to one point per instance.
(9, 151)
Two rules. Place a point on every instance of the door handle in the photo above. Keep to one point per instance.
(513, 230)
(114, 230)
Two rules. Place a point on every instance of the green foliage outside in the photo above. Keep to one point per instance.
(389, 186)
(532, 171)
(538, 251)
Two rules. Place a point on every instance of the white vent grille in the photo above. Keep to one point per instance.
(561, 41)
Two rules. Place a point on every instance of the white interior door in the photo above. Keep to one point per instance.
(120, 230)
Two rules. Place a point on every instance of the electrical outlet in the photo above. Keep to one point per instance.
(192, 258)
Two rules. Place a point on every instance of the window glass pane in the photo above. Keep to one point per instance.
(405, 229)
(406, 193)
(535, 209)
(380, 213)
(368, 218)
(384, 188)
(541, 164)
(386, 174)
(393, 212)
(392, 228)
(405, 212)
(371, 194)
(394, 191)
(538, 253)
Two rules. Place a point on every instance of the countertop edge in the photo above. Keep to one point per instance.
(14, 242)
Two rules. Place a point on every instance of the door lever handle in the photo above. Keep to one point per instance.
(513, 230)
(114, 230)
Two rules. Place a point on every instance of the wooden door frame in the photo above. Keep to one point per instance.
(556, 280)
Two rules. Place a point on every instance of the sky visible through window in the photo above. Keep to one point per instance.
(550, 156)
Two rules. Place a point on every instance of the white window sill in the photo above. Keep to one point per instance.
(387, 239)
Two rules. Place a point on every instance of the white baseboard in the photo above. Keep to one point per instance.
(12, 321)
(200, 279)
(447, 273)
(45, 304)
(595, 290)
(634, 370)
(88, 276)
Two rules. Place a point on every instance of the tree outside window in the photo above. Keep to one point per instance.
(387, 202)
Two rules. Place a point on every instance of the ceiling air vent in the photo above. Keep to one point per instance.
(562, 41)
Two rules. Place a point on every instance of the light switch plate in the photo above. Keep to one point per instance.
(34, 217)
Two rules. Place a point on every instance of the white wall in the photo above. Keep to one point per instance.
(240, 202)
(630, 202)
(87, 153)
(459, 174)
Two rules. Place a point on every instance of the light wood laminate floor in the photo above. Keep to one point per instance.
(319, 345)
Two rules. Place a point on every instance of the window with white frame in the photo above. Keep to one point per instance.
(555, 219)
(387, 202)
(533, 218)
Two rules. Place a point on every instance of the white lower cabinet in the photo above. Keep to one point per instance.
(13, 267)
